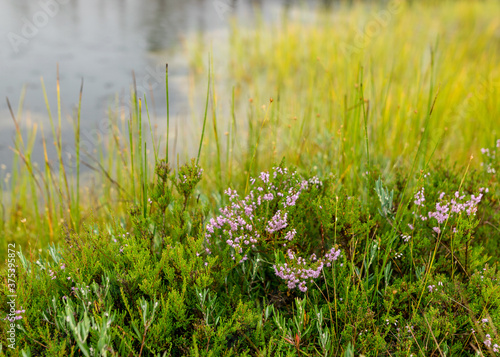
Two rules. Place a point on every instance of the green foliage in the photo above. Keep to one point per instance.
(398, 286)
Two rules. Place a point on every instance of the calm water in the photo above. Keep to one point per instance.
(103, 41)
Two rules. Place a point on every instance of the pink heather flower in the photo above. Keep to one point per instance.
(52, 274)
(315, 181)
(484, 320)
(420, 198)
(17, 317)
(332, 255)
(268, 197)
(248, 211)
(290, 201)
(441, 213)
(231, 194)
(290, 235)
(411, 226)
(298, 274)
(264, 176)
(238, 225)
(278, 222)
(63, 266)
(436, 229)
(431, 288)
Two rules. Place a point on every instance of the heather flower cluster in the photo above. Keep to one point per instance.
(298, 271)
(490, 156)
(405, 238)
(246, 222)
(52, 274)
(420, 197)
(16, 315)
(432, 288)
(262, 220)
(445, 209)
(488, 342)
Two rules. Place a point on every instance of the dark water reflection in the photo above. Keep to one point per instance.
(103, 41)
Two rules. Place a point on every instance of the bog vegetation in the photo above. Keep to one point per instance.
(343, 200)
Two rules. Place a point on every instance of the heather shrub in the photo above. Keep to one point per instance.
(279, 220)
(295, 265)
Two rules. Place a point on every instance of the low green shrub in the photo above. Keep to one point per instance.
(292, 266)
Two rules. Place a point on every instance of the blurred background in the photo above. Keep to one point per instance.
(103, 42)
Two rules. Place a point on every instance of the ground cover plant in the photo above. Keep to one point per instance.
(292, 268)
(343, 202)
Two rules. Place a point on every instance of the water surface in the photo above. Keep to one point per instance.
(103, 41)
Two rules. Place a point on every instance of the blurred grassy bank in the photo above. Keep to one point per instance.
(364, 88)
